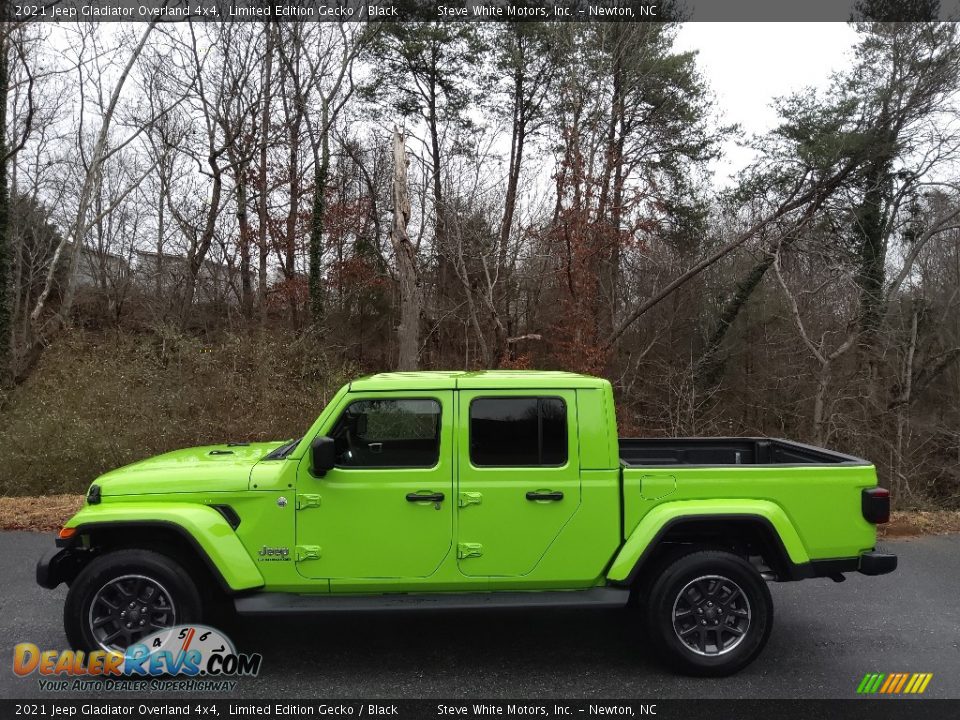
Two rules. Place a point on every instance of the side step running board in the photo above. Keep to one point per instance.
(269, 603)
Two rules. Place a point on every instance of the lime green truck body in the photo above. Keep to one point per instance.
(590, 511)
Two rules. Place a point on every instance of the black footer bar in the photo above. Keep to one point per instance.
(706, 709)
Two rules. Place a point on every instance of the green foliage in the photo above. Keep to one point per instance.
(666, 103)
(820, 132)
(422, 70)
(96, 402)
(903, 73)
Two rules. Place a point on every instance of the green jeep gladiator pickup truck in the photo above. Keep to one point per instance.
(439, 490)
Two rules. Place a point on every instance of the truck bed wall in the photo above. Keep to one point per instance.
(648, 452)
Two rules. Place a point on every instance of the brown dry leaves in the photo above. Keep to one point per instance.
(910, 523)
(37, 513)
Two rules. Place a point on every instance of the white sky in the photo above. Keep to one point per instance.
(747, 65)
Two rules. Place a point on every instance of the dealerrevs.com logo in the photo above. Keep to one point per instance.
(182, 657)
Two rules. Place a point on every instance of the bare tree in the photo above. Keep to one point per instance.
(408, 331)
(73, 240)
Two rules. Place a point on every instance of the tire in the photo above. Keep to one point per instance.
(718, 603)
(159, 590)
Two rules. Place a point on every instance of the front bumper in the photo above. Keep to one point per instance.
(60, 565)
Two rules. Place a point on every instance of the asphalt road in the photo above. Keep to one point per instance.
(825, 637)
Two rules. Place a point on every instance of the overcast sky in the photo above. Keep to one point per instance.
(749, 64)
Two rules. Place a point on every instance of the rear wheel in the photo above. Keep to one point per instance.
(709, 613)
(125, 595)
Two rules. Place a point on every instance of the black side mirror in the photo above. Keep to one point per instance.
(322, 455)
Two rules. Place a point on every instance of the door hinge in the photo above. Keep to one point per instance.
(469, 498)
(308, 552)
(307, 501)
(469, 550)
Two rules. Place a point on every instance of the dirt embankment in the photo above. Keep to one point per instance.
(910, 523)
(37, 513)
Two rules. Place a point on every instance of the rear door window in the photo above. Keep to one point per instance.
(518, 432)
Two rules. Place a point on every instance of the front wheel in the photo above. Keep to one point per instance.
(709, 613)
(125, 595)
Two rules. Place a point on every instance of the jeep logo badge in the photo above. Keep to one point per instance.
(266, 551)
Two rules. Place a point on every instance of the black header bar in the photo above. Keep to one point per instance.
(449, 10)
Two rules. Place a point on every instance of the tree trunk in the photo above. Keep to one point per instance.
(321, 175)
(903, 406)
(500, 298)
(819, 403)
(262, 211)
(197, 254)
(5, 317)
(871, 227)
(711, 365)
(290, 257)
(161, 232)
(443, 289)
(408, 332)
(243, 220)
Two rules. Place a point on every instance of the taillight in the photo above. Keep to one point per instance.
(875, 504)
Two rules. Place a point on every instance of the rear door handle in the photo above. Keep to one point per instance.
(425, 497)
(548, 495)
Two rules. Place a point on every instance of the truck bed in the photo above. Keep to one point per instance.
(659, 452)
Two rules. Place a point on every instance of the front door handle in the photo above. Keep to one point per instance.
(425, 497)
(545, 495)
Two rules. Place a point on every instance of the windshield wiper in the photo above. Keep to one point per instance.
(281, 452)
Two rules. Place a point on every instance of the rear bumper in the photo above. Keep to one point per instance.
(868, 563)
(877, 563)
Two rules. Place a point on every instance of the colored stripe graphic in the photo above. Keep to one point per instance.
(870, 683)
(914, 681)
(894, 683)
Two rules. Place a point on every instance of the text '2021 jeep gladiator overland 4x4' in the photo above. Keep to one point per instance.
(438, 490)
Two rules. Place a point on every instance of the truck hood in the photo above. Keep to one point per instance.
(213, 468)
